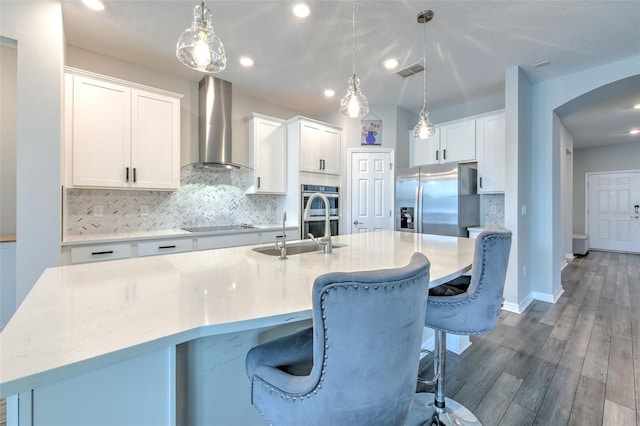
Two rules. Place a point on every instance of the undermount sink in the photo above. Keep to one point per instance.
(296, 248)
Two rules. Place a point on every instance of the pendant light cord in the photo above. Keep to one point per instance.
(353, 35)
(424, 64)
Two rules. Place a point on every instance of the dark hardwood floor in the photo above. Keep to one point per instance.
(575, 362)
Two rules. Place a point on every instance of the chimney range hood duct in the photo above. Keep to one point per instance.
(215, 123)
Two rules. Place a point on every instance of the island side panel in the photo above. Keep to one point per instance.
(137, 392)
(212, 383)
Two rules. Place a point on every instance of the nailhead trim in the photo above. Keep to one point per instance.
(326, 291)
(472, 297)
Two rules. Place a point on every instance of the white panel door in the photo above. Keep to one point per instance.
(613, 211)
(370, 191)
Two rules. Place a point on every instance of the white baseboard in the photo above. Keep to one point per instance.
(518, 308)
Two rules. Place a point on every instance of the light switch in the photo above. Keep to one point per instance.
(144, 210)
(98, 211)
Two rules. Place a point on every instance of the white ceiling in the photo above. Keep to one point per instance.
(469, 46)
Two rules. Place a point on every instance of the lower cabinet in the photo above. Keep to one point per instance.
(100, 252)
(155, 247)
(229, 240)
(122, 250)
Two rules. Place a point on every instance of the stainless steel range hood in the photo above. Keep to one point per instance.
(215, 123)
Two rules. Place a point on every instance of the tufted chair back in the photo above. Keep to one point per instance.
(476, 310)
(358, 363)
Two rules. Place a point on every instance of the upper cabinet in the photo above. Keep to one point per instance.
(319, 145)
(267, 149)
(453, 142)
(490, 141)
(121, 135)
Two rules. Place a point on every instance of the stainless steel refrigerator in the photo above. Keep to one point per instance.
(438, 199)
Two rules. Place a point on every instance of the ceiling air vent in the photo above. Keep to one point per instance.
(411, 70)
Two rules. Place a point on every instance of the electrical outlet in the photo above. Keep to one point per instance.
(524, 270)
(144, 210)
(494, 209)
(268, 208)
(523, 210)
(98, 211)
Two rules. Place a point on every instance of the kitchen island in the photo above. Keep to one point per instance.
(161, 340)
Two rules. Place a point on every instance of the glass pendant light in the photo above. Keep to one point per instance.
(424, 129)
(198, 47)
(354, 104)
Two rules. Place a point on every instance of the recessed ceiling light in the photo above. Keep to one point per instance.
(301, 10)
(94, 4)
(246, 61)
(391, 64)
(329, 93)
(634, 132)
(636, 106)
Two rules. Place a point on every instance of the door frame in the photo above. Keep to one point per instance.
(587, 175)
(346, 217)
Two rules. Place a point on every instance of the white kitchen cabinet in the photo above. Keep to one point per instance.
(424, 151)
(490, 141)
(227, 240)
(453, 142)
(319, 145)
(458, 141)
(267, 148)
(122, 135)
(100, 252)
(165, 246)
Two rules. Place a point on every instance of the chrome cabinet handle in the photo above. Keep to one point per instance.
(437, 155)
(258, 181)
(355, 222)
(480, 182)
(444, 154)
(126, 174)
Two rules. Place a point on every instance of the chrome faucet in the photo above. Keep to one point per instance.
(282, 245)
(325, 241)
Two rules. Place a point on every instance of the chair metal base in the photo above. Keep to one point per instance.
(424, 412)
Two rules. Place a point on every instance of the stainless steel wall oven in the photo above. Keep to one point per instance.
(315, 224)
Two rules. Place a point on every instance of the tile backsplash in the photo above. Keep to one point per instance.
(492, 209)
(205, 197)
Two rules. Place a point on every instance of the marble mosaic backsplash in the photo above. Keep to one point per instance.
(492, 209)
(206, 197)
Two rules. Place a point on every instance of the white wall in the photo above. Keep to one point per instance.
(545, 207)
(518, 187)
(609, 158)
(566, 197)
(8, 121)
(37, 28)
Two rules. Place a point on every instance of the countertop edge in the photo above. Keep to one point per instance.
(169, 233)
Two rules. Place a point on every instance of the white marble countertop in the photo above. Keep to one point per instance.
(71, 240)
(82, 317)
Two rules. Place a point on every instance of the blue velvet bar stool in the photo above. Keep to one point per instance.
(468, 305)
(358, 363)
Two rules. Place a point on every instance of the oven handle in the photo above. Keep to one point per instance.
(320, 218)
(328, 194)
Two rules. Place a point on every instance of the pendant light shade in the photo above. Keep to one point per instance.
(424, 129)
(198, 47)
(354, 104)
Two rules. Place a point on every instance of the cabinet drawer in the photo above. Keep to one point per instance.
(231, 240)
(98, 253)
(156, 247)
